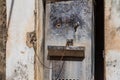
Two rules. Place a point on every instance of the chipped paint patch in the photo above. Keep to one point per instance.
(31, 39)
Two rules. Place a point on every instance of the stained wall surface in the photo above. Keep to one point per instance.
(112, 39)
(61, 18)
(19, 56)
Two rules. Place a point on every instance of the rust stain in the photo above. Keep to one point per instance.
(115, 43)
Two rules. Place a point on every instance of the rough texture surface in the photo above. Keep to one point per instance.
(39, 43)
(112, 39)
(3, 37)
(20, 56)
(66, 21)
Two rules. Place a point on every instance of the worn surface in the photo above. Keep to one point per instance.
(3, 38)
(20, 55)
(63, 53)
(112, 39)
(69, 20)
(39, 36)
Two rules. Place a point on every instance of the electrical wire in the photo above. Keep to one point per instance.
(44, 65)
(34, 46)
(52, 67)
(49, 67)
(60, 71)
(10, 13)
(9, 20)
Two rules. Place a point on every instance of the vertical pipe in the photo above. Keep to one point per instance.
(39, 36)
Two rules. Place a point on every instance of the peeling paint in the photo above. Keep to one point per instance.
(31, 39)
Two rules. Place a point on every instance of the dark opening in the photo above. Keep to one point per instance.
(99, 39)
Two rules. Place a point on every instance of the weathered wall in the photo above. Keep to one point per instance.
(19, 56)
(112, 39)
(3, 37)
(61, 18)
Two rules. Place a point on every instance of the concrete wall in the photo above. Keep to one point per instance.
(67, 14)
(112, 39)
(19, 56)
(21, 20)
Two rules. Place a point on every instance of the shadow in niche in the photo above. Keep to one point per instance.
(99, 39)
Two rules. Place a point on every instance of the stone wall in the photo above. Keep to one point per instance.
(3, 37)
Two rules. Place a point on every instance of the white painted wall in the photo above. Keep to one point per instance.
(19, 57)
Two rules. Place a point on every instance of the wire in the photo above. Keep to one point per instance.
(34, 46)
(43, 63)
(52, 67)
(60, 71)
(10, 14)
